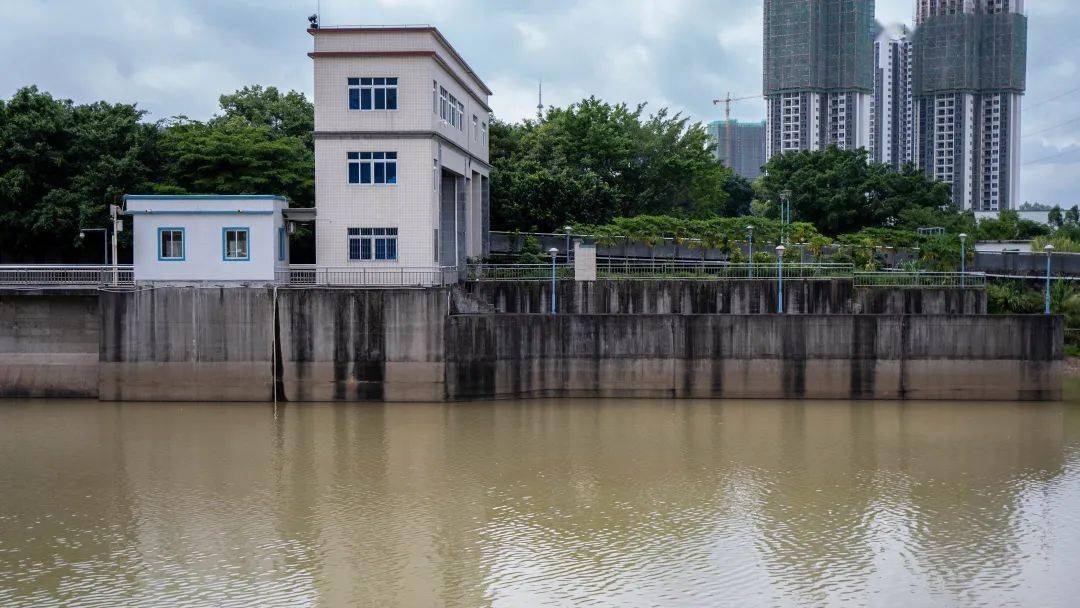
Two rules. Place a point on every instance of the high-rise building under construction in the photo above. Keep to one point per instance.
(892, 125)
(969, 72)
(818, 73)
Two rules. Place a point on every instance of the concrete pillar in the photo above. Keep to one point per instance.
(584, 261)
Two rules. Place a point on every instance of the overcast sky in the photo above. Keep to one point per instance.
(175, 57)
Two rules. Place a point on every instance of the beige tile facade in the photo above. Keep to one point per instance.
(428, 148)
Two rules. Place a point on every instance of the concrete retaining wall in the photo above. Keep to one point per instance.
(711, 297)
(48, 346)
(359, 345)
(187, 344)
(225, 344)
(755, 356)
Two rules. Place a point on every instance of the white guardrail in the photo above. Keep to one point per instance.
(74, 275)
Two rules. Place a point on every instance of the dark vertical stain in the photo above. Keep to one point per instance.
(863, 356)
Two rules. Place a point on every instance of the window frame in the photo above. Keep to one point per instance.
(358, 85)
(372, 161)
(368, 241)
(183, 244)
(246, 230)
(283, 249)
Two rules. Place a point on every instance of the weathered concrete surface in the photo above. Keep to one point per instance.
(711, 297)
(362, 345)
(755, 356)
(48, 346)
(187, 344)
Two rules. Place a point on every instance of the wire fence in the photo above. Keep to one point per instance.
(916, 280)
(41, 275)
(614, 268)
(518, 272)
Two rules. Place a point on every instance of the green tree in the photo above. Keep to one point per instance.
(1072, 216)
(287, 115)
(841, 191)
(61, 165)
(1054, 217)
(591, 162)
(233, 156)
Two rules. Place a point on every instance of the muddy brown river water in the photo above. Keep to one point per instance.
(540, 503)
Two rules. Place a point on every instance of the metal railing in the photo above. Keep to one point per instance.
(518, 272)
(73, 275)
(614, 268)
(915, 280)
(312, 276)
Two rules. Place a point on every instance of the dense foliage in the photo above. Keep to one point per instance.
(62, 164)
(841, 191)
(592, 162)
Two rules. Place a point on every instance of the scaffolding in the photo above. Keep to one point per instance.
(819, 45)
(971, 52)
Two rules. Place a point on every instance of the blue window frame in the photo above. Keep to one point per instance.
(171, 244)
(373, 244)
(373, 93)
(373, 168)
(282, 244)
(235, 244)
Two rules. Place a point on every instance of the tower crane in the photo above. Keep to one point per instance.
(727, 101)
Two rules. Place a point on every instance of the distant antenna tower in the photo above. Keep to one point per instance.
(540, 101)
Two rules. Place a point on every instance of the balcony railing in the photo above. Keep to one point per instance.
(312, 276)
(44, 276)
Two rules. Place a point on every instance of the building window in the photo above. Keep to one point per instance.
(282, 244)
(475, 128)
(373, 243)
(171, 244)
(372, 167)
(483, 134)
(373, 93)
(234, 245)
(450, 109)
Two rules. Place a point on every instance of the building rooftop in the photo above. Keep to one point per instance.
(354, 29)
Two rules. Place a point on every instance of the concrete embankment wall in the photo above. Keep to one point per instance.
(187, 344)
(712, 297)
(361, 345)
(755, 356)
(48, 345)
(250, 344)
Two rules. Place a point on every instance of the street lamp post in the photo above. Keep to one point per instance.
(568, 230)
(105, 236)
(750, 252)
(1049, 249)
(554, 255)
(780, 279)
(963, 258)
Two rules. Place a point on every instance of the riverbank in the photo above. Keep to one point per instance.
(630, 339)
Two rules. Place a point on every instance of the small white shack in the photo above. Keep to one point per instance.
(224, 239)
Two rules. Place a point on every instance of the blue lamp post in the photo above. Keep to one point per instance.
(1049, 249)
(554, 256)
(780, 279)
(963, 257)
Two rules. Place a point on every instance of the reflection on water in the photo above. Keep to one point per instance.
(586, 502)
